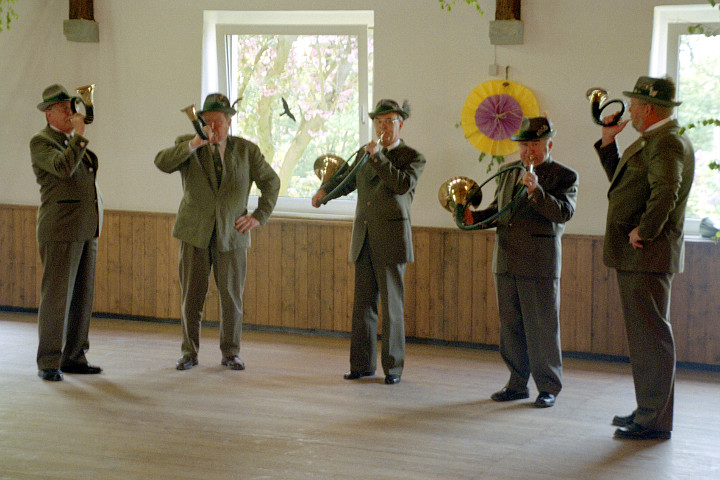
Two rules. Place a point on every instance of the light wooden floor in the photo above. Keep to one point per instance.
(290, 415)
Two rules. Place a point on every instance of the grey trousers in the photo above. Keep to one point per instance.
(229, 269)
(375, 281)
(530, 331)
(645, 299)
(66, 301)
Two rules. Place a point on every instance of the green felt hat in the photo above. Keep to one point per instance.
(391, 106)
(217, 102)
(52, 95)
(655, 90)
(534, 128)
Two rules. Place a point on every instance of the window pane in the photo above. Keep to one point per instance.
(317, 77)
(698, 71)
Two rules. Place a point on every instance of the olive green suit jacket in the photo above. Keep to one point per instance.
(386, 186)
(71, 207)
(205, 206)
(649, 188)
(528, 238)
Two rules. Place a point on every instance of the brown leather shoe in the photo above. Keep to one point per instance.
(233, 363)
(186, 362)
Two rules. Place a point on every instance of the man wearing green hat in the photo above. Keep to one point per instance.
(527, 260)
(68, 225)
(649, 188)
(213, 223)
(381, 242)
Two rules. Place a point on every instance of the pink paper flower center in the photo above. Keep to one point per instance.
(498, 116)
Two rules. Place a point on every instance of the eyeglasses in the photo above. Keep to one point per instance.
(384, 121)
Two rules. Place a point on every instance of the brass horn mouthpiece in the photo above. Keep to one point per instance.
(597, 97)
(197, 120)
(86, 98)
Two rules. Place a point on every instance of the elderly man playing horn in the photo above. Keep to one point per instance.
(527, 262)
(68, 225)
(649, 188)
(213, 223)
(381, 242)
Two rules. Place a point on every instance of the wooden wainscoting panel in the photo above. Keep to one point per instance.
(576, 295)
(694, 309)
(314, 278)
(299, 277)
(421, 300)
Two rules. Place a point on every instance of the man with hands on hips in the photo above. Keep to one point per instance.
(214, 225)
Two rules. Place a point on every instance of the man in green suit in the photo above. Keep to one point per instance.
(649, 188)
(68, 225)
(213, 223)
(527, 261)
(381, 242)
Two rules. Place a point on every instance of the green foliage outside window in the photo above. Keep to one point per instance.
(7, 14)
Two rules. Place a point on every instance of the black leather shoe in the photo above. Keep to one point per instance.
(619, 421)
(507, 394)
(392, 379)
(638, 432)
(545, 400)
(81, 369)
(50, 374)
(353, 375)
(233, 363)
(186, 363)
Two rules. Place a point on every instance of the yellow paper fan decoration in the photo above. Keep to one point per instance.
(492, 113)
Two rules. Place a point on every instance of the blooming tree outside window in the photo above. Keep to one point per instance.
(299, 99)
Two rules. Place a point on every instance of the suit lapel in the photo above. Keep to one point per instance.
(633, 149)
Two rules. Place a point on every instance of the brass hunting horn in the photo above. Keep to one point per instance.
(86, 98)
(197, 120)
(597, 96)
(457, 193)
(326, 165)
(344, 169)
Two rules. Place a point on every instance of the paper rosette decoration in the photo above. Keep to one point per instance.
(493, 112)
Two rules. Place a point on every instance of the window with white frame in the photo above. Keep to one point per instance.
(692, 60)
(302, 81)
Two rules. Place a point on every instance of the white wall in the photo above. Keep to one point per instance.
(147, 66)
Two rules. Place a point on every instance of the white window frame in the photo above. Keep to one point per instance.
(669, 22)
(219, 23)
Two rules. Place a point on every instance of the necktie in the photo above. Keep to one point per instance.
(218, 163)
